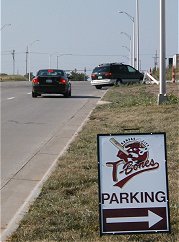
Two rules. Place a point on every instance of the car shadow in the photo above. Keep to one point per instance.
(72, 97)
(80, 96)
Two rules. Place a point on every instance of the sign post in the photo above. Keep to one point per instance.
(133, 189)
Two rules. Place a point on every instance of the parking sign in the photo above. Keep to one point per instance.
(133, 188)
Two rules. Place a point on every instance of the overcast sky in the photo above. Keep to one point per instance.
(89, 30)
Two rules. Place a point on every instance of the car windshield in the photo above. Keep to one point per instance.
(101, 69)
(50, 73)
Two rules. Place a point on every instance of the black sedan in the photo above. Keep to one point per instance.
(51, 81)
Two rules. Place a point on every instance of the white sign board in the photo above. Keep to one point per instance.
(133, 189)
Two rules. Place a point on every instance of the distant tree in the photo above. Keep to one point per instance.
(78, 76)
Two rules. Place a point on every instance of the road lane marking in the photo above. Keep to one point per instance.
(10, 98)
(29, 93)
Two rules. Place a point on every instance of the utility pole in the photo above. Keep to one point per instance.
(26, 60)
(85, 74)
(156, 60)
(13, 60)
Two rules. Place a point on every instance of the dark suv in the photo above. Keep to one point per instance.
(114, 73)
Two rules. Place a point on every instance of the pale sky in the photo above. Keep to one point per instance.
(88, 30)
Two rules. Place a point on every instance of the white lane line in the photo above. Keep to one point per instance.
(29, 93)
(10, 98)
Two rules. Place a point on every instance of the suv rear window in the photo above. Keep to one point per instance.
(100, 69)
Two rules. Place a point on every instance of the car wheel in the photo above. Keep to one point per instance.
(118, 82)
(70, 93)
(67, 94)
(98, 87)
(34, 94)
(141, 81)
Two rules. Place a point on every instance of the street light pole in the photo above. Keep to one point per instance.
(128, 50)
(49, 60)
(13, 59)
(131, 62)
(28, 47)
(162, 95)
(137, 33)
(133, 43)
(133, 36)
(26, 60)
(60, 56)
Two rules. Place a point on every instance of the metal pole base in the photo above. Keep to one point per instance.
(162, 98)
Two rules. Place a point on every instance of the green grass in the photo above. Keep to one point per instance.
(67, 208)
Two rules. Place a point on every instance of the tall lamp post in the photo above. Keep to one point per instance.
(133, 36)
(28, 48)
(49, 59)
(13, 59)
(26, 60)
(137, 34)
(128, 36)
(60, 56)
(127, 50)
(162, 95)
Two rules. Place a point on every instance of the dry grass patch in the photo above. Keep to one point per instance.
(67, 208)
(4, 78)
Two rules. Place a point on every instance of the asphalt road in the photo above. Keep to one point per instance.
(34, 132)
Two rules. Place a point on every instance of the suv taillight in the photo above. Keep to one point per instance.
(63, 81)
(93, 76)
(35, 80)
(108, 74)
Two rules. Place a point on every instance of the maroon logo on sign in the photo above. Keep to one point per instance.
(133, 159)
